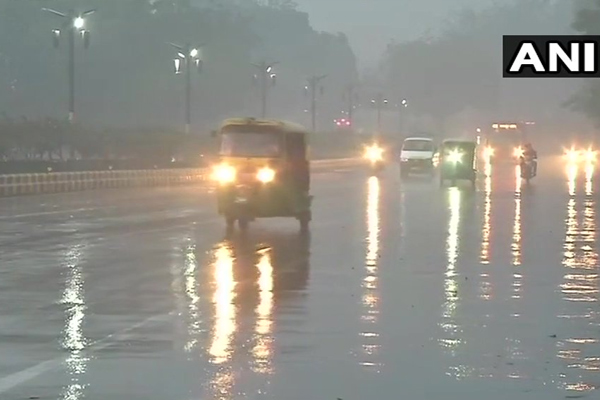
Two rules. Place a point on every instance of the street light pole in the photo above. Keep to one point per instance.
(74, 23)
(188, 55)
(401, 107)
(313, 83)
(265, 73)
(72, 74)
(379, 102)
(351, 97)
(188, 98)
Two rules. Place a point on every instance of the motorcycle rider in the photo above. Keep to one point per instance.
(530, 157)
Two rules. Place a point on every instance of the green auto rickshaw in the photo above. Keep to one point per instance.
(458, 161)
(263, 171)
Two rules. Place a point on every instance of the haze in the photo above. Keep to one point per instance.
(443, 56)
(371, 24)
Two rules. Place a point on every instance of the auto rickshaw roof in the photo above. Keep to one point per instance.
(284, 126)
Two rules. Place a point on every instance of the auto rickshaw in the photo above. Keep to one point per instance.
(263, 171)
(458, 161)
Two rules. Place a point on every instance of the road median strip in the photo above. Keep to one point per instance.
(59, 182)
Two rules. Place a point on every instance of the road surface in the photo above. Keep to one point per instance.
(402, 291)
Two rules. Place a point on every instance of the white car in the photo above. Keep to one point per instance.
(417, 155)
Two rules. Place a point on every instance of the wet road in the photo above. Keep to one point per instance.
(402, 290)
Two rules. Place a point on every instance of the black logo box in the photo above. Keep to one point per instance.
(511, 45)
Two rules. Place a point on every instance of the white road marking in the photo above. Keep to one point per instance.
(57, 212)
(13, 380)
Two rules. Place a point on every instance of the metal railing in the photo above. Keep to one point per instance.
(57, 182)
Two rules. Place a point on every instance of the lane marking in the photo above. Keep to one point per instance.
(18, 378)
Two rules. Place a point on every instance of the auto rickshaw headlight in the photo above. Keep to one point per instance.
(455, 156)
(224, 174)
(266, 175)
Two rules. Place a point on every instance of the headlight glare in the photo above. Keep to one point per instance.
(590, 156)
(519, 152)
(224, 174)
(455, 156)
(572, 155)
(374, 153)
(266, 175)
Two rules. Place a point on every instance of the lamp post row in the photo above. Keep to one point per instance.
(73, 23)
(188, 57)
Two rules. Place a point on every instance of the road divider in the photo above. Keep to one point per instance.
(58, 182)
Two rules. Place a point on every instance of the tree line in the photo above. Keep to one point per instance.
(454, 76)
(587, 99)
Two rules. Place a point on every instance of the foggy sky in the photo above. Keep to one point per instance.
(371, 24)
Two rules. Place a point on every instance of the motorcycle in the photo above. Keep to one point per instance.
(528, 168)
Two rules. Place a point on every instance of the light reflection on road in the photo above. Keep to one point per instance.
(74, 340)
(580, 287)
(484, 258)
(370, 297)
(225, 323)
(449, 324)
(516, 237)
(192, 294)
(262, 350)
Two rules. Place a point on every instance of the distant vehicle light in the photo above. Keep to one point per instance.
(374, 153)
(590, 155)
(455, 157)
(519, 152)
(573, 155)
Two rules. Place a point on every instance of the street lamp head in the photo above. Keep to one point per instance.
(404, 102)
(78, 23)
(269, 69)
(194, 53)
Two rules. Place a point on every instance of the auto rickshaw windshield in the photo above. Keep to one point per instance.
(250, 144)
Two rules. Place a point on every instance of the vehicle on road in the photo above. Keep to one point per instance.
(375, 156)
(458, 161)
(527, 161)
(581, 156)
(263, 171)
(528, 168)
(503, 143)
(417, 156)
